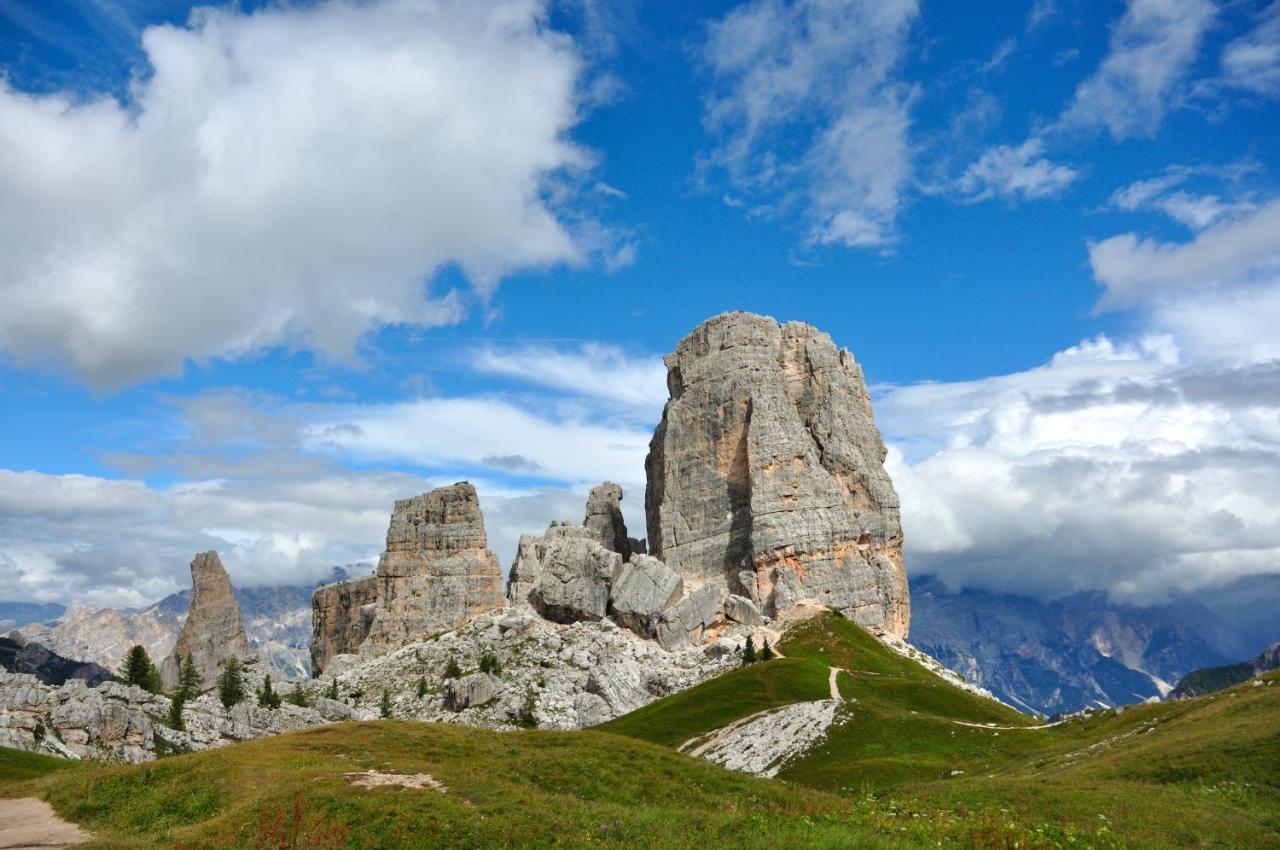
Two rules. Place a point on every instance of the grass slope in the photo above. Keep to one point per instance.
(1197, 773)
(524, 789)
(1200, 773)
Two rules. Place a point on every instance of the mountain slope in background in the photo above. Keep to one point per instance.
(1069, 653)
(276, 619)
(18, 656)
(1210, 679)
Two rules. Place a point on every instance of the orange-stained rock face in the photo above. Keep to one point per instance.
(766, 474)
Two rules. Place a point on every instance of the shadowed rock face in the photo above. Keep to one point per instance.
(340, 617)
(437, 573)
(766, 474)
(213, 631)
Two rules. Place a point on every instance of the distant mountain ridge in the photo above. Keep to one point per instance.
(277, 620)
(1068, 653)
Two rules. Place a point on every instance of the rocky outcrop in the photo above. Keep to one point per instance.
(341, 614)
(213, 631)
(604, 518)
(18, 655)
(644, 589)
(766, 476)
(476, 689)
(437, 572)
(121, 723)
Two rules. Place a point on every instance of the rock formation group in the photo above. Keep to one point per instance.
(766, 498)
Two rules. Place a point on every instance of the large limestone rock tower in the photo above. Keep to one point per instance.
(766, 474)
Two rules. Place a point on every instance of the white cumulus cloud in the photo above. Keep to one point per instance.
(293, 176)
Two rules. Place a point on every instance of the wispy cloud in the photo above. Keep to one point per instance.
(1152, 47)
(1020, 172)
(809, 114)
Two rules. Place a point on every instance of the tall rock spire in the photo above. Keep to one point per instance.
(766, 474)
(213, 631)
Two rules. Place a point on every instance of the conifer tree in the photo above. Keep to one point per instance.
(766, 653)
(267, 697)
(452, 670)
(297, 697)
(422, 687)
(749, 652)
(138, 670)
(175, 711)
(384, 707)
(188, 680)
(332, 693)
(231, 683)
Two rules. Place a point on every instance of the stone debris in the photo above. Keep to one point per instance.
(771, 740)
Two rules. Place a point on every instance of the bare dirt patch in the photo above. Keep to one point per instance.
(28, 823)
(375, 779)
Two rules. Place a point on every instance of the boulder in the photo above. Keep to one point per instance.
(644, 588)
(565, 574)
(766, 474)
(742, 610)
(469, 691)
(690, 618)
(213, 631)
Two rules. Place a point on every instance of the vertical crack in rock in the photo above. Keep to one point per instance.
(766, 474)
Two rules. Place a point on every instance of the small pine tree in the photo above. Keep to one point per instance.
(188, 679)
(384, 707)
(749, 652)
(332, 693)
(138, 670)
(267, 697)
(527, 718)
(489, 664)
(175, 711)
(452, 670)
(231, 683)
(422, 687)
(297, 697)
(766, 653)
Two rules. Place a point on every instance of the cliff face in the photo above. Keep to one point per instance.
(214, 630)
(766, 474)
(340, 618)
(436, 574)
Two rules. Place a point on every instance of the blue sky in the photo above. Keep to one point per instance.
(266, 267)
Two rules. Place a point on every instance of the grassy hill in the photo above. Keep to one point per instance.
(1199, 773)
